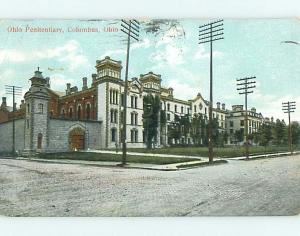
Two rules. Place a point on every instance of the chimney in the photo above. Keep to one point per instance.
(223, 106)
(47, 82)
(68, 91)
(94, 76)
(4, 104)
(218, 105)
(84, 83)
(22, 105)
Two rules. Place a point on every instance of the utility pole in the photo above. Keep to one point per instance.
(289, 107)
(209, 33)
(246, 84)
(131, 29)
(15, 91)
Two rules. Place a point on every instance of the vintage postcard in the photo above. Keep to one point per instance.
(148, 117)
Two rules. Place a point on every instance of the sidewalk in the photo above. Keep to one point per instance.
(272, 155)
(143, 154)
(167, 167)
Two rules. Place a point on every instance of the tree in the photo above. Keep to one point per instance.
(265, 134)
(295, 133)
(239, 135)
(198, 129)
(279, 132)
(150, 118)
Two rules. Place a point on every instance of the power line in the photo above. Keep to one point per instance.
(208, 33)
(245, 87)
(131, 29)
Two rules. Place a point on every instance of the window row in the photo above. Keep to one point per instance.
(133, 135)
(79, 114)
(113, 116)
(134, 118)
(113, 96)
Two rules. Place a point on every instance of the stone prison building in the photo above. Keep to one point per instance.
(91, 118)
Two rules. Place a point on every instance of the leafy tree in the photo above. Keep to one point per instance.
(279, 132)
(239, 135)
(198, 129)
(265, 134)
(150, 118)
(295, 133)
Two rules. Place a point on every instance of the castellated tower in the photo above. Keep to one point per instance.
(37, 115)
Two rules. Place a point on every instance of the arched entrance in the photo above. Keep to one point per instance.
(76, 139)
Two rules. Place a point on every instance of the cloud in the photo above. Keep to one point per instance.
(202, 54)
(58, 82)
(271, 105)
(112, 53)
(183, 90)
(171, 55)
(145, 43)
(69, 53)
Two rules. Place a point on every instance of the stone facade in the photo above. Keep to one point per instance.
(93, 117)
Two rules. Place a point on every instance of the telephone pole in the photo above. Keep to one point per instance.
(209, 33)
(131, 29)
(289, 107)
(245, 86)
(15, 91)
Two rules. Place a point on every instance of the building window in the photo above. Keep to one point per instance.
(39, 141)
(188, 110)
(135, 102)
(131, 118)
(28, 108)
(113, 135)
(195, 108)
(132, 101)
(134, 136)
(113, 116)
(168, 106)
(135, 118)
(122, 99)
(41, 108)
(231, 123)
(168, 117)
(79, 112)
(181, 109)
(175, 108)
(88, 111)
(71, 112)
(242, 122)
(110, 96)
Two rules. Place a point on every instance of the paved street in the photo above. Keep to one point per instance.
(258, 187)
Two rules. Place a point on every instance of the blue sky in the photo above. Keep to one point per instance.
(251, 47)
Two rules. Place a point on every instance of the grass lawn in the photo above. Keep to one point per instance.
(114, 157)
(233, 151)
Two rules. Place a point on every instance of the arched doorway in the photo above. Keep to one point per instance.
(76, 139)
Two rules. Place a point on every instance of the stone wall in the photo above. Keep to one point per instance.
(6, 136)
(59, 130)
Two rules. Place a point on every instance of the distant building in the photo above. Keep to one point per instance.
(91, 117)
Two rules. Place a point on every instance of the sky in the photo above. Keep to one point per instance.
(249, 48)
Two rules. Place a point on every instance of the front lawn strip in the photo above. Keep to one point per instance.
(158, 160)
